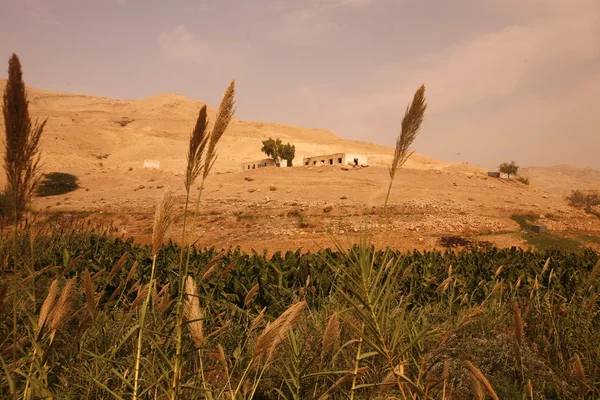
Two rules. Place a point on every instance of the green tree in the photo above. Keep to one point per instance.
(278, 151)
(288, 153)
(272, 148)
(22, 155)
(509, 169)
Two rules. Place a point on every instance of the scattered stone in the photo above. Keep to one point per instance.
(130, 169)
(159, 186)
(272, 188)
(247, 178)
(328, 209)
(343, 198)
(252, 190)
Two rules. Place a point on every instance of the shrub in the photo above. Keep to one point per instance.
(55, 183)
(523, 180)
(585, 200)
(509, 169)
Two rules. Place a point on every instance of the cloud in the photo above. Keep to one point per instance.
(309, 22)
(530, 76)
(181, 45)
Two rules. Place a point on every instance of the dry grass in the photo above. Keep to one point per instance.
(48, 304)
(198, 141)
(163, 217)
(331, 336)
(193, 312)
(275, 332)
(411, 124)
(478, 376)
(63, 308)
(224, 115)
(22, 154)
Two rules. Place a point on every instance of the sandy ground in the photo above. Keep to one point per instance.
(280, 208)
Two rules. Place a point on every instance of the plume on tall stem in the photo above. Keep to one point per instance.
(224, 116)
(163, 218)
(198, 140)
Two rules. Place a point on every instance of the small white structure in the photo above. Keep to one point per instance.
(153, 164)
(337, 159)
(265, 162)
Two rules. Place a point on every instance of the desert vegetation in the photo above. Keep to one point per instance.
(509, 168)
(84, 313)
(587, 200)
(55, 183)
(277, 150)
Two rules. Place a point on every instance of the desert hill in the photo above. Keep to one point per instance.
(559, 180)
(122, 133)
(104, 142)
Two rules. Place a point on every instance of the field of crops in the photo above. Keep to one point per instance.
(508, 324)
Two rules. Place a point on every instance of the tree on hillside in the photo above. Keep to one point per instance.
(271, 148)
(22, 154)
(509, 169)
(278, 151)
(288, 152)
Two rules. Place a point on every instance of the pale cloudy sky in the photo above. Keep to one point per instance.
(506, 79)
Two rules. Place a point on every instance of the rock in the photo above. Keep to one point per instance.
(248, 179)
(328, 209)
(345, 168)
(343, 198)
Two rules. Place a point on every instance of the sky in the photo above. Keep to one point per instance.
(505, 79)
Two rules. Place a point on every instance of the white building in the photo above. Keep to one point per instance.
(263, 163)
(337, 159)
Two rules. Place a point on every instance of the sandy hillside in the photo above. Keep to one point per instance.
(561, 179)
(105, 142)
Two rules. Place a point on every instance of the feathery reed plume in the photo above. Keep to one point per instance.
(131, 272)
(98, 275)
(89, 293)
(331, 336)
(48, 304)
(390, 379)
(118, 266)
(198, 141)
(162, 220)
(8, 350)
(276, 332)
(595, 270)
(348, 378)
(192, 311)
(476, 372)
(22, 138)
(257, 321)
(476, 388)
(579, 373)
(251, 293)
(142, 294)
(165, 302)
(224, 115)
(519, 331)
(64, 306)
(223, 362)
(411, 123)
